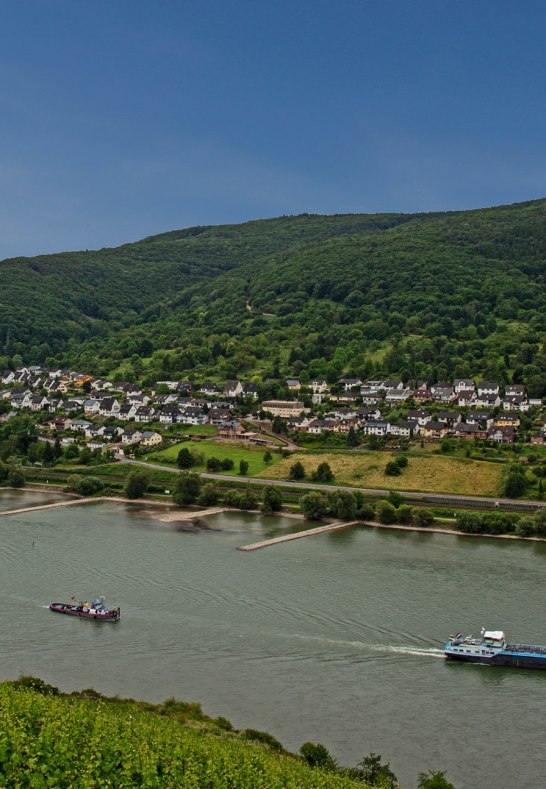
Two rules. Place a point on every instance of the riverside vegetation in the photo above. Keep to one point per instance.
(53, 739)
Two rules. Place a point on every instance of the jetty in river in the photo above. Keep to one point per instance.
(297, 535)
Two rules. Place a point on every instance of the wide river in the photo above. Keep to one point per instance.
(335, 638)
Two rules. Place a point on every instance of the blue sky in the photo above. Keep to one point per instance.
(126, 118)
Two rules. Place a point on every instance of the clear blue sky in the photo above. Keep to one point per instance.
(126, 118)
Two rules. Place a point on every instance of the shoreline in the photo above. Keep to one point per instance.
(187, 513)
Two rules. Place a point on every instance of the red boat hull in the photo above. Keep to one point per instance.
(75, 610)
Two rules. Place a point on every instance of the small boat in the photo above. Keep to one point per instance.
(492, 649)
(94, 610)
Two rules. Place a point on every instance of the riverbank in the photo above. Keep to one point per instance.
(190, 512)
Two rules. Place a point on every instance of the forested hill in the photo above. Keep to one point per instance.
(422, 295)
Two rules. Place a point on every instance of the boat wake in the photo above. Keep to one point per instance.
(414, 651)
(417, 651)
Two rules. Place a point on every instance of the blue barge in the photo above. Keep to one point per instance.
(492, 649)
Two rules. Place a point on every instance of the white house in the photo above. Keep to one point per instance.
(397, 395)
(403, 428)
(377, 428)
(144, 414)
(91, 407)
(463, 384)
(109, 406)
(319, 386)
(131, 437)
(233, 388)
(487, 388)
(349, 383)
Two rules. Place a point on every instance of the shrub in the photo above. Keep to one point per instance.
(227, 464)
(385, 512)
(366, 512)
(314, 506)
(248, 500)
(16, 478)
(395, 498)
(36, 684)
(374, 773)
(86, 486)
(297, 471)
(342, 504)
(317, 755)
(209, 495)
(264, 737)
(401, 461)
(403, 514)
(539, 519)
(499, 522)
(434, 779)
(185, 458)
(469, 522)
(214, 465)
(392, 469)
(526, 527)
(186, 488)
(223, 723)
(136, 484)
(421, 517)
(271, 500)
(232, 498)
(243, 467)
(515, 482)
(71, 452)
(323, 473)
(86, 456)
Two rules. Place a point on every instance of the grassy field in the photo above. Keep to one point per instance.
(430, 473)
(220, 449)
(193, 430)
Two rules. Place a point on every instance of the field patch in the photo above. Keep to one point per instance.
(254, 456)
(428, 473)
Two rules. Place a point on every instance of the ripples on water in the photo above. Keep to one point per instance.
(336, 638)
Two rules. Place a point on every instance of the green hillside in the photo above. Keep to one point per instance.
(86, 740)
(424, 295)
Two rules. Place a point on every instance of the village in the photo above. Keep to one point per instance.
(99, 413)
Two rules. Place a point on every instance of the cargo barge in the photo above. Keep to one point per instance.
(492, 649)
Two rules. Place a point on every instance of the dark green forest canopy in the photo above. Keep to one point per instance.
(416, 295)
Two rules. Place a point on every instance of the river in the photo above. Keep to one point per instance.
(335, 638)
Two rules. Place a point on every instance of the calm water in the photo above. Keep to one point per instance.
(333, 639)
(11, 499)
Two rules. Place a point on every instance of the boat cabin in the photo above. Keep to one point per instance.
(493, 638)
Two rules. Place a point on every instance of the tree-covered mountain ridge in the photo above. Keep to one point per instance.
(416, 295)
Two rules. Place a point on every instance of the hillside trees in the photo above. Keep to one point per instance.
(335, 289)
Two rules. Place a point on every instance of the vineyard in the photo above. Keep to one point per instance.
(48, 739)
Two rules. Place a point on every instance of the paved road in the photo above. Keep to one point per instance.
(435, 498)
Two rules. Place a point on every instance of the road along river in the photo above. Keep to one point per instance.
(335, 639)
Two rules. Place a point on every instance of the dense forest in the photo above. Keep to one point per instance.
(429, 296)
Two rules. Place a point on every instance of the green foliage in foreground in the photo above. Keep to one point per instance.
(50, 740)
